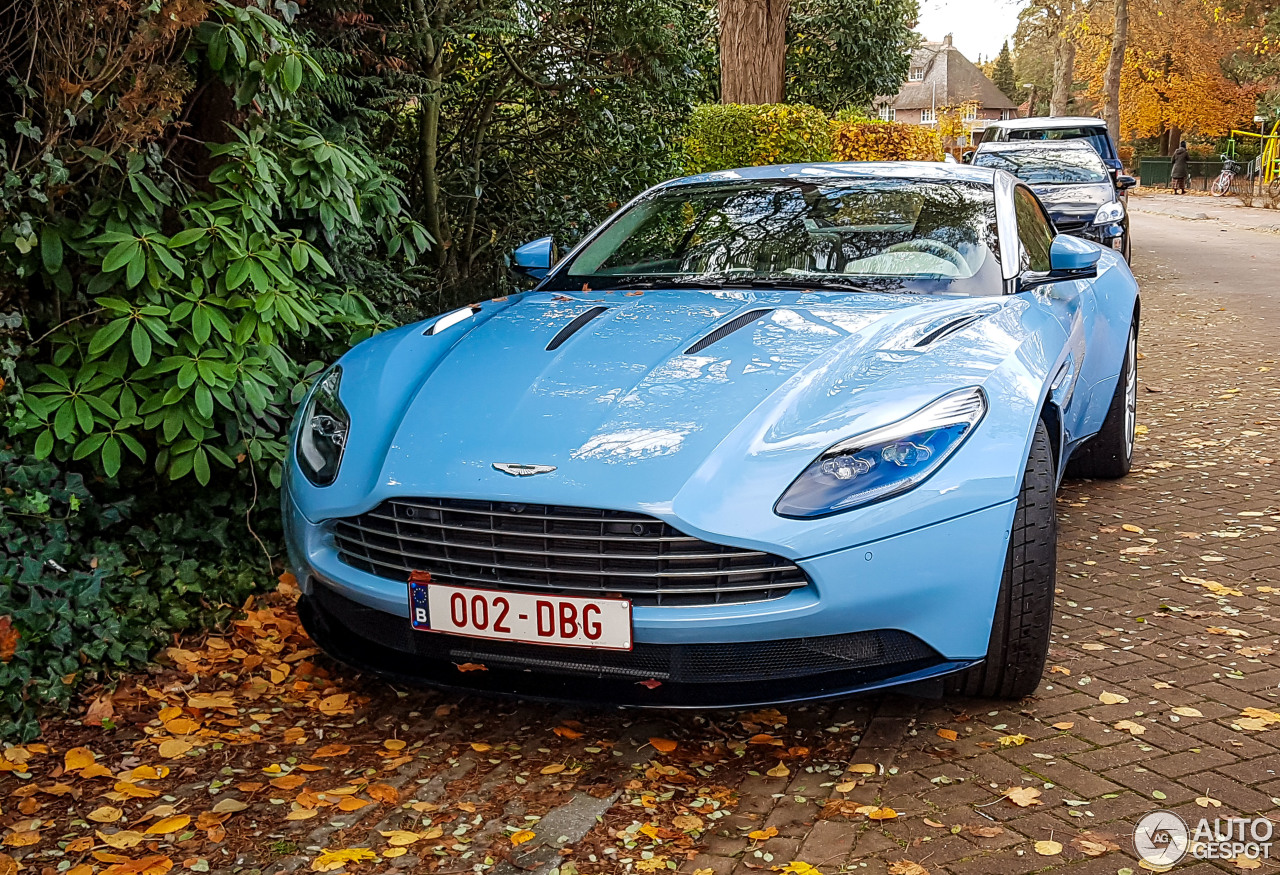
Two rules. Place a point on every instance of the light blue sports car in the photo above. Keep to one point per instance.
(765, 435)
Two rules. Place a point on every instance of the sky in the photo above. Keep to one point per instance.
(978, 27)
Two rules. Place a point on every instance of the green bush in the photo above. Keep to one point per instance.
(724, 136)
(87, 592)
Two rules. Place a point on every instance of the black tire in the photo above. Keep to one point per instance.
(1128, 249)
(1019, 641)
(1109, 454)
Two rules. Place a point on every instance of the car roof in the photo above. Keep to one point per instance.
(1038, 122)
(1052, 145)
(928, 170)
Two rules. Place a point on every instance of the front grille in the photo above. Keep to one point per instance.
(872, 654)
(565, 550)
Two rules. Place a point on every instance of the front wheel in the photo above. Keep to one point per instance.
(1109, 453)
(1019, 642)
(1221, 185)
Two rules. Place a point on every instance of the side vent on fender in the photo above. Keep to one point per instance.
(572, 328)
(950, 327)
(726, 329)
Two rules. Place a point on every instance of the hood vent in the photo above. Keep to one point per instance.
(726, 329)
(949, 328)
(572, 328)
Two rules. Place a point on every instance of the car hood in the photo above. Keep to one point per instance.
(1074, 203)
(630, 420)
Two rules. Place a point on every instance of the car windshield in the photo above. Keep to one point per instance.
(1040, 166)
(1096, 136)
(913, 235)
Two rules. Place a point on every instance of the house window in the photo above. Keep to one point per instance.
(971, 113)
(887, 113)
(1004, 115)
(916, 75)
(927, 117)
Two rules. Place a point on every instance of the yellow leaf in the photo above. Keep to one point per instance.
(174, 747)
(779, 771)
(862, 769)
(1112, 699)
(301, 814)
(760, 835)
(948, 734)
(522, 836)
(352, 803)
(392, 853)
(553, 769)
(399, 838)
(169, 824)
(885, 813)
(1187, 711)
(481, 747)
(394, 744)
(1048, 848)
(327, 861)
(663, 745)
(1129, 527)
(122, 840)
(77, 758)
(106, 814)
(1208, 801)
(1012, 740)
(1130, 727)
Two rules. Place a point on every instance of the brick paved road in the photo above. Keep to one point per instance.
(1167, 582)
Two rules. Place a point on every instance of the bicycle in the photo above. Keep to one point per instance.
(1222, 184)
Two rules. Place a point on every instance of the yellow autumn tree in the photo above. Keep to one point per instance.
(1172, 80)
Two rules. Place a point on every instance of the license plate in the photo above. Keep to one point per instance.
(567, 621)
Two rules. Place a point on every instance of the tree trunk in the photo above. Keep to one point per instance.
(753, 48)
(1064, 67)
(1115, 64)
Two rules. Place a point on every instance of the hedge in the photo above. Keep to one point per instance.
(884, 141)
(724, 136)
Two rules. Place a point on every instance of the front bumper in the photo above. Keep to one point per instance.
(894, 610)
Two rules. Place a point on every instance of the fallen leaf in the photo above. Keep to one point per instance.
(1057, 669)
(1048, 848)
(1065, 724)
(884, 813)
(8, 639)
(288, 782)
(948, 734)
(229, 806)
(862, 769)
(481, 746)
(1113, 699)
(663, 745)
(106, 814)
(566, 732)
(399, 838)
(22, 838)
(1187, 711)
(77, 758)
(384, 793)
(928, 821)
(687, 822)
(1230, 633)
(1023, 797)
(174, 747)
(553, 769)
(122, 840)
(352, 803)
(779, 771)
(394, 744)
(8, 865)
(331, 706)
(332, 750)
(906, 867)
(169, 824)
(392, 853)
(760, 835)
(1245, 863)
(1130, 727)
(472, 666)
(327, 861)
(765, 738)
(1012, 740)
(1207, 801)
(985, 832)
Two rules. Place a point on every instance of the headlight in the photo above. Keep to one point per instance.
(1112, 212)
(884, 461)
(322, 432)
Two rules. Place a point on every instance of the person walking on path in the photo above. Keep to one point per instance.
(1179, 171)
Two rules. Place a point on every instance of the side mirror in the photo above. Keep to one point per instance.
(1070, 258)
(535, 258)
(966, 157)
(1124, 183)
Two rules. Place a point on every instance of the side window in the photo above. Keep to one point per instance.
(1035, 231)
